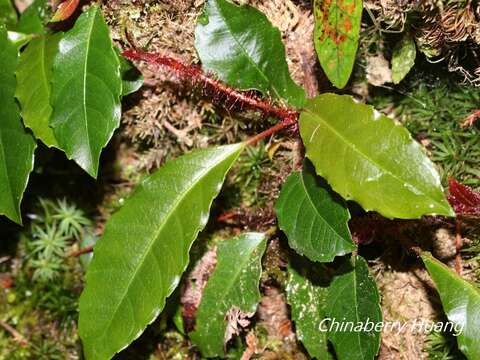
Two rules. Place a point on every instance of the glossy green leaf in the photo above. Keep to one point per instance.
(308, 299)
(366, 157)
(8, 15)
(403, 58)
(132, 79)
(86, 89)
(353, 298)
(16, 145)
(461, 303)
(314, 218)
(336, 34)
(240, 46)
(33, 18)
(144, 250)
(34, 73)
(232, 287)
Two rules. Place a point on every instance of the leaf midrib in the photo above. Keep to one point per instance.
(169, 212)
(84, 99)
(313, 205)
(361, 153)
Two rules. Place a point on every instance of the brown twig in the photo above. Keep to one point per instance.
(82, 251)
(458, 247)
(19, 338)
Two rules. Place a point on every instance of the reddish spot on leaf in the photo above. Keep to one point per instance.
(464, 200)
(65, 10)
(348, 25)
(6, 281)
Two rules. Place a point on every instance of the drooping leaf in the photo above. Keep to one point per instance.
(233, 287)
(132, 79)
(34, 73)
(366, 157)
(65, 10)
(308, 299)
(403, 58)
(337, 29)
(33, 18)
(353, 298)
(464, 199)
(16, 145)
(461, 303)
(314, 219)
(86, 88)
(240, 46)
(144, 251)
(8, 15)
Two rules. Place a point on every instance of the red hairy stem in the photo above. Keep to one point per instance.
(470, 119)
(464, 200)
(274, 129)
(221, 92)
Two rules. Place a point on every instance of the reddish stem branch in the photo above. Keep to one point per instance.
(19, 338)
(220, 92)
(274, 129)
(470, 119)
(82, 251)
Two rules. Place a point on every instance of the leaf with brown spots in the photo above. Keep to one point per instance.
(337, 29)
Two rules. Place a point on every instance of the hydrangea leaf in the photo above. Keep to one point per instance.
(16, 145)
(367, 158)
(403, 58)
(240, 46)
(139, 260)
(314, 218)
(461, 303)
(336, 34)
(86, 89)
(353, 298)
(233, 287)
(34, 73)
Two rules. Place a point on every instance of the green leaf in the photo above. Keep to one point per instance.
(233, 286)
(243, 49)
(403, 58)
(314, 219)
(86, 88)
(144, 251)
(34, 73)
(366, 157)
(353, 297)
(8, 15)
(32, 19)
(16, 145)
(461, 303)
(337, 29)
(19, 39)
(132, 79)
(308, 299)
